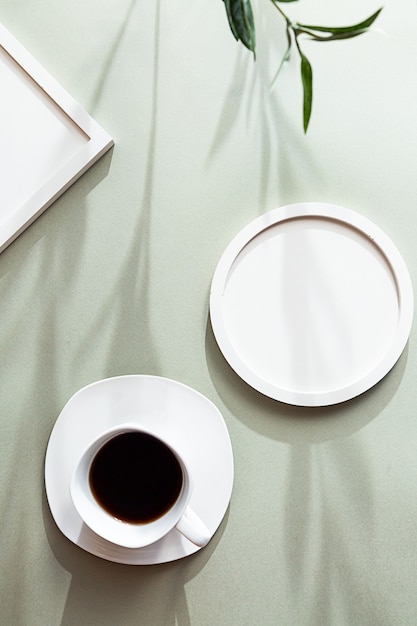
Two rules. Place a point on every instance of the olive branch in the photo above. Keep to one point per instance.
(242, 25)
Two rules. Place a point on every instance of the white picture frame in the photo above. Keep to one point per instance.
(47, 140)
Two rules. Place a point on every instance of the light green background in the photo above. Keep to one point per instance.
(115, 278)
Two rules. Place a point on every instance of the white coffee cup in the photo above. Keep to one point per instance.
(135, 534)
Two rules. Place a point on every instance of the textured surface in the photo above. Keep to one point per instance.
(115, 279)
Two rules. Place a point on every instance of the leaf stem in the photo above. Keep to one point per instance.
(286, 18)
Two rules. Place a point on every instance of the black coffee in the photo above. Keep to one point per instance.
(135, 477)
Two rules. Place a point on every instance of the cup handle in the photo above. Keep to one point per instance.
(191, 526)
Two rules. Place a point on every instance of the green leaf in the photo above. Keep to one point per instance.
(339, 32)
(241, 22)
(307, 80)
(335, 37)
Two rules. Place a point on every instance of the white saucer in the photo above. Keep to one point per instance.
(195, 426)
(311, 304)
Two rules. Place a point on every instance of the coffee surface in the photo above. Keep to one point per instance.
(135, 477)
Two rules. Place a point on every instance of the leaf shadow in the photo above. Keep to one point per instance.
(110, 56)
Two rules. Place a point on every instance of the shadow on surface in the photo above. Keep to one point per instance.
(124, 313)
(62, 212)
(293, 424)
(107, 593)
(328, 527)
(44, 262)
(110, 56)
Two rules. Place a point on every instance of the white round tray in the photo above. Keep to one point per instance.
(311, 304)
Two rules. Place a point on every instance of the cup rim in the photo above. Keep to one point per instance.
(108, 527)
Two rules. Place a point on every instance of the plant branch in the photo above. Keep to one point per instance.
(242, 25)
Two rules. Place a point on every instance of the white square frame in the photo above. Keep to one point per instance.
(80, 144)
